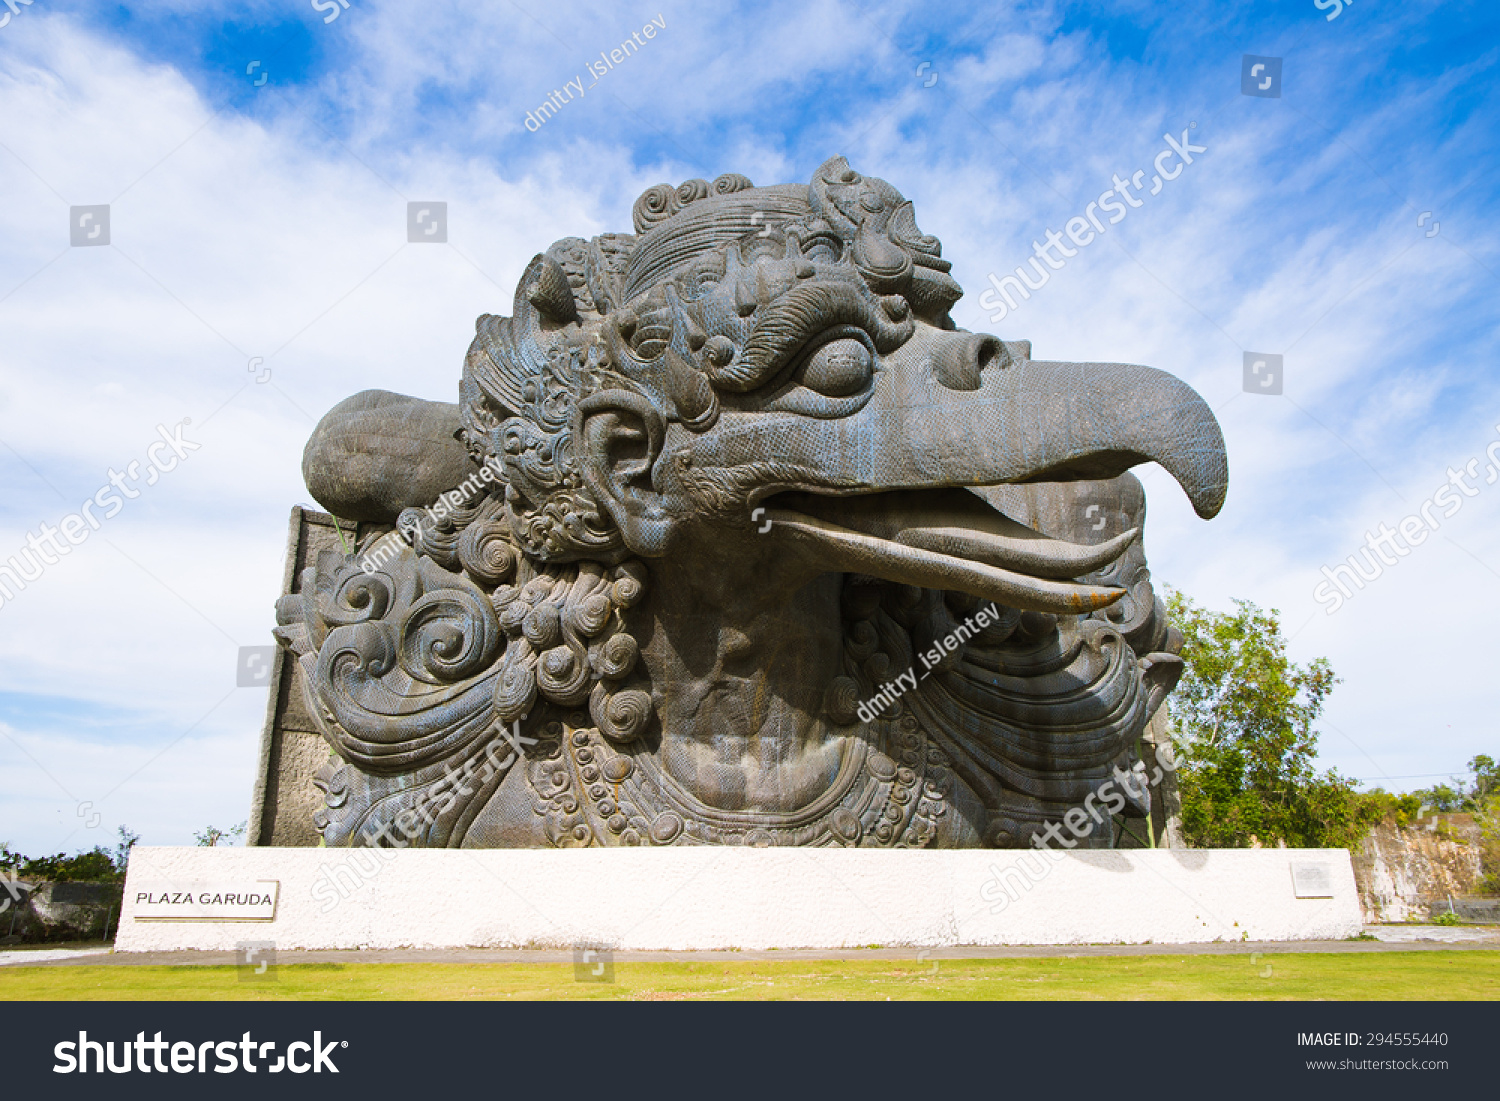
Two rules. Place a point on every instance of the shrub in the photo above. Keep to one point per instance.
(1243, 717)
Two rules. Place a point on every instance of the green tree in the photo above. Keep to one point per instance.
(1404, 809)
(1487, 818)
(1465, 796)
(1244, 715)
(1441, 797)
(128, 840)
(212, 835)
(98, 865)
(95, 866)
(1486, 775)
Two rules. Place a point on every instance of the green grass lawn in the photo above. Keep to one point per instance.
(1386, 976)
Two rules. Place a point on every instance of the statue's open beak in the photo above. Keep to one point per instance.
(892, 505)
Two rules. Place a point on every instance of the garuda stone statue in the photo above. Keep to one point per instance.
(733, 538)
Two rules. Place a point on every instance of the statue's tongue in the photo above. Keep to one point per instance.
(960, 524)
(855, 552)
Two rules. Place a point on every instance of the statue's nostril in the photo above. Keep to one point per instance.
(990, 353)
(961, 359)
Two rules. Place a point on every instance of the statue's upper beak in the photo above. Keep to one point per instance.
(876, 507)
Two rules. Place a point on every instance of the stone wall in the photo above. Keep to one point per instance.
(700, 898)
(1403, 873)
(61, 912)
(291, 750)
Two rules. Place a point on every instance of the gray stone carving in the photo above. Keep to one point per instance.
(734, 539)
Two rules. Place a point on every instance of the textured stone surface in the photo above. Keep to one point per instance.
(754, 547)
(292, 750)
(375, 452)
(703, 898)
(1409, 874)
(61, 911)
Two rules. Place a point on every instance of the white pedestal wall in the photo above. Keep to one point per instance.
(718, 898)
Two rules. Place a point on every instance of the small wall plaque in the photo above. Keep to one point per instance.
(1311, 880)
(241, 900)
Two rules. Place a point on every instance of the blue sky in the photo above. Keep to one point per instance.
(268, 221)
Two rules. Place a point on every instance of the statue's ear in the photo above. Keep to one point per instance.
(619, 439)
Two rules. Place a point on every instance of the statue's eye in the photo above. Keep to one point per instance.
(833, 378)
(839, 367)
